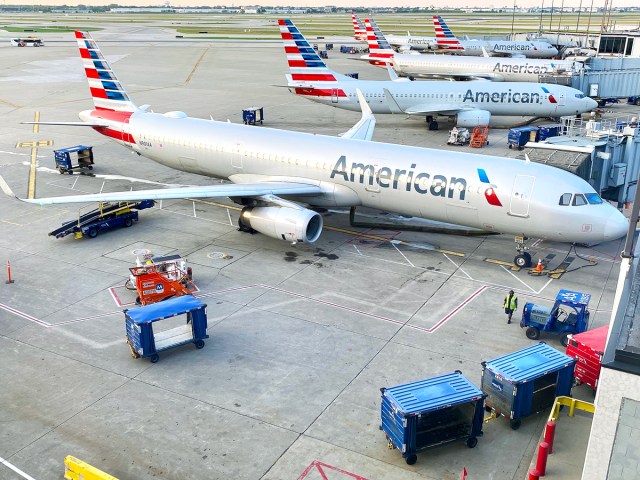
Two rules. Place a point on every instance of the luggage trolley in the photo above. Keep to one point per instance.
(63, 158)
(144, 342)
(432, 412)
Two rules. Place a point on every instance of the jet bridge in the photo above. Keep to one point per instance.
(606, 154)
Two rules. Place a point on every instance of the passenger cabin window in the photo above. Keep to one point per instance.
(565, 199)
(579, 199)
(593, 198)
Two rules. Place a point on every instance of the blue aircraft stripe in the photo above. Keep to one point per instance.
(105, 75)
(307, 49)
(544, 90)
(483, 176)
(116, 96)
(315, 64)
(101, 65)
(112, 86)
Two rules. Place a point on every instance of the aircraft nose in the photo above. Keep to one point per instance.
(591, 103)
(554, 51)
(616, 226)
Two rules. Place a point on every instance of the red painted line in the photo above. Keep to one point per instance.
(115, 297)
(319, 466)
(458, 308)
(23, 315)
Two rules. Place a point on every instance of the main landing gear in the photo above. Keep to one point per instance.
(433, 125)
(523, 258)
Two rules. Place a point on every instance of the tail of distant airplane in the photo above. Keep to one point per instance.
(359, 32)
(106, 90)
(309, 74)
(380, 51)
(444, 37)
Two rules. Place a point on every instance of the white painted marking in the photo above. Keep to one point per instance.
(194, 210)
(506, 270)
(5, 187)
(229, 216)
(16, 469)
(357, 250)
(457, 266)
(403, 255)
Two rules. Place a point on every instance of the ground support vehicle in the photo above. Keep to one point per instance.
(161, 278)
(519, 136)
(549, 130)
(480, 136)
(430, 413)
(253, 115)
(569, 315)
(458, 136)
(526, 382)
(105, 217)
(588, 348)
(27, 42)
(144, 342)
(65, 161)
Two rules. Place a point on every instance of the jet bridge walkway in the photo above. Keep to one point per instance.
(106, 216)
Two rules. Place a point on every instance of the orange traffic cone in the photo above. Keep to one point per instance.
(539, 266)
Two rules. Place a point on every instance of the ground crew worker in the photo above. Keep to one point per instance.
(510, 305)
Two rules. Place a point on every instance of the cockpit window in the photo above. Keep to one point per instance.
(579, 95)
(593, 198)
(565, 199)
(579, 199)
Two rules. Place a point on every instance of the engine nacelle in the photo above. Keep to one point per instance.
(473, 118)
(289, 224)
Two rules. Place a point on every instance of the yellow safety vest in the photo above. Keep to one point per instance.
(511, 305)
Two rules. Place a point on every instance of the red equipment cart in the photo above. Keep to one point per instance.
(587, 348)
(161, 278)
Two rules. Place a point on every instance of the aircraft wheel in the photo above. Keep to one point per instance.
(564, 339)
(533, 333)
(433, 125)
(522, 260)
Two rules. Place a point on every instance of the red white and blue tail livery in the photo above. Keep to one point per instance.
(445, 38)
(380, 51)
(359, 32)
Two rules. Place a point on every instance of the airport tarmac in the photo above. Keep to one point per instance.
(301, 337)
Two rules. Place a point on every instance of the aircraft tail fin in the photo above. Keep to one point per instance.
(380, 51)
(444, 36)
(106, 90)
(359, 32)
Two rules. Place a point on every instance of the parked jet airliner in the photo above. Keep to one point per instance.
(401, 43)
(447, 41)
(471, 103)
(271, 169)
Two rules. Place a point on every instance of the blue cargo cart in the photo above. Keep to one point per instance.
(549, 130)
(430, 413)
(72, 158)
(525, 382)
(519, 136)
(141, 338)
(253, 115)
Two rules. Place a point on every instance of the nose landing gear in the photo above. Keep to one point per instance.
(523, 258)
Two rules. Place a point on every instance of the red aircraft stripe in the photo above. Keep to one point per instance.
(286, 36)
(84, 53)
(297, 63)
(91, 73)
(108, 114)
(78, 34)
(115, 134)
(290, 49)
(98, 92)
(320, 92)
(313, 76)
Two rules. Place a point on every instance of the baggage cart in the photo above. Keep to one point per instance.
(526, 382)
(519, 136)
(353, 75)
(430, 413)
(160, 278)
(65, 157)
(144, 342)
(588, 348)
(323, 54)
(253, 115)
(546, 131)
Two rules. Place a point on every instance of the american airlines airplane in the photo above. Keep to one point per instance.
(400, 43)
(448, 42)
(271, 170)
(471, 103)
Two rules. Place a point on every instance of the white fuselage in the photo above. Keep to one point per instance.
(506, 98)
(506, 48)
(406, 42)
(499, 69)
(446, 186)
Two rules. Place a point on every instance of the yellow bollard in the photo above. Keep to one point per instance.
(75, 469)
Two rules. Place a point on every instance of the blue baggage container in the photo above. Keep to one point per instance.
(252, 115)
(527, 381)
(430, 413)
(546, 131)
(519, 136)
(65, 161)
(139, 322)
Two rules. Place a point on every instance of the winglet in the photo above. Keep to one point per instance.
(392, 74)
(393, 105)
(363, 130)
(484, 51)
(526, 158)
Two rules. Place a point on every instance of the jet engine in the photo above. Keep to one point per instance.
(289, 224)
(473, 118)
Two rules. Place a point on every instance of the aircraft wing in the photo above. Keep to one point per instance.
(461, 76)
(420, 109)
(206, 191)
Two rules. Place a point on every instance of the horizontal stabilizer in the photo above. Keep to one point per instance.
(206, 191)
(69, 124)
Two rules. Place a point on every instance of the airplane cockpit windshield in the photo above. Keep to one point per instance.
(579, 95)
(578, 199)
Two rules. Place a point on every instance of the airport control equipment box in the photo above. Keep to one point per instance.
(588, 348)
(144, 342)
(430, 413)
(527, 381)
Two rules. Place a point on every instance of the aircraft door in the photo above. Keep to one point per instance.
(334, 95)
(236, 158)
(521, 195)
(126, 136)
(561, 100)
